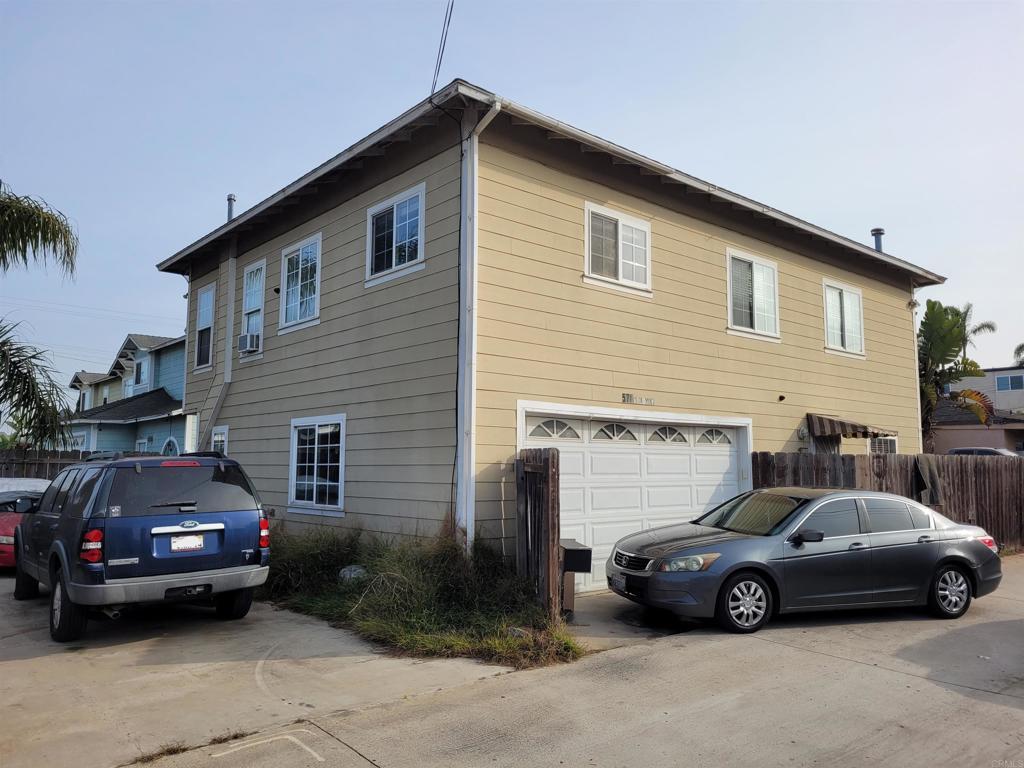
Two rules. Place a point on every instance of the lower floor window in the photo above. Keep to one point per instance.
(317, 475)
(882, 445)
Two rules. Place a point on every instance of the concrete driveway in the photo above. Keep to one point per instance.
(853, 689)
(177, 674)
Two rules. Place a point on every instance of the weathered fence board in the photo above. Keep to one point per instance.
(40, 465)
(982, 490)
(537, 524)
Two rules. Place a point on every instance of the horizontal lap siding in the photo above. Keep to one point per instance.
(545, 335)
(386, 356)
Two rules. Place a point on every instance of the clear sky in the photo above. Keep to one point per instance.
(137, 118)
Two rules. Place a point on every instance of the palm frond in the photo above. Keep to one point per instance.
(30, 230)
(974, 401)
(29, 393)
(986, 327)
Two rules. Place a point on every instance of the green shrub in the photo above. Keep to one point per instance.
(422, 598)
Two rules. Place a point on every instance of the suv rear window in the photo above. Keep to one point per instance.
(161, 490)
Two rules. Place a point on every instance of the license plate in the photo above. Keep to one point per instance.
(618, 581)
(189, 543)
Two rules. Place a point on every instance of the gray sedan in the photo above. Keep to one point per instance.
(783, 550)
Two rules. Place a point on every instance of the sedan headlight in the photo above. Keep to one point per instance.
(689, 562)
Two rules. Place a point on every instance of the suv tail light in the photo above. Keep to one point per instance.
(92, 545)
(264, 530)
(989, 542)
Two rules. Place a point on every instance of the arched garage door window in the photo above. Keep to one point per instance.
(170, 447)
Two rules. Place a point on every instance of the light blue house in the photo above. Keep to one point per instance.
(145, 415)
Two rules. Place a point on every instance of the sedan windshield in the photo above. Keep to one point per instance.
(758, 513)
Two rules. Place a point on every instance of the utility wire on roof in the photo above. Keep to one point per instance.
(441, 44)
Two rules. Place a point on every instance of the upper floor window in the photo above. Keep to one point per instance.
(394, 235)
(141, 371)
(618, 247)
(204, 326)
(300, 282)
(753, 294)
(252, 300)
(87, 399)
(844, 318)
(1007, 383)
(106, 393)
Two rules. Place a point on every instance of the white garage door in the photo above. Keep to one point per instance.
(621, 477)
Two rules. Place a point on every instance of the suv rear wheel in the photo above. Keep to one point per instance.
(233, 605)
(25, 587)
(67, 619)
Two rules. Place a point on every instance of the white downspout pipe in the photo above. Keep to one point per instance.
(465, 451)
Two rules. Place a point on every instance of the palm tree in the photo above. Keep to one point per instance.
(32, 231)
(941, 339)
(969, 327)
(1018, 355)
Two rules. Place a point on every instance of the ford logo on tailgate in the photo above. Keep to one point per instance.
(190, 524)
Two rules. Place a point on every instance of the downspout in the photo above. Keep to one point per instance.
(465, 450)
(229, 344)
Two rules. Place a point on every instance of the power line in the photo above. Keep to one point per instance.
(58, 306)
(441, 44)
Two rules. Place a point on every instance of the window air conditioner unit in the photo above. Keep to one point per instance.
(249, 342)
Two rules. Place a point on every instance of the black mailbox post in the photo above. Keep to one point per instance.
(576, 558)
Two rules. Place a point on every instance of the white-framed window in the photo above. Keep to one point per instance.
(106, 393)
(882, 445)
(394, 236)
(80, 441)
(555, 429)
(141, 446)
(615, 432)
(316, 477)
(219, 440)
(170, 447)
(1008, 383)
(87, 398)
(714, 437)
(618, 247)
(253, 280)
(753, 294)
(204, 325)
(141, 372)
(300, 284)
(666, 435)
(844, 318)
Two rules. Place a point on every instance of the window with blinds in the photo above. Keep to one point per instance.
(844, 318)
(753, 294)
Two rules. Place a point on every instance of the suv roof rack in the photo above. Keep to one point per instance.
(205, 454)
(105, 456)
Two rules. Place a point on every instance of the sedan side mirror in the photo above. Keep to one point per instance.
(804, 536)
(24, 506)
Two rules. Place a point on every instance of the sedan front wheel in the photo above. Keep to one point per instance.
(744, 603)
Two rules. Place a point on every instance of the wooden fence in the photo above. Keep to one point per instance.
(40, 465)
(538, 552)
(981, 490)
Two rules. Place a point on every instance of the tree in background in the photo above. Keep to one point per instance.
(969, 327)
(942, 339)
(1018, 355)
(32, 232)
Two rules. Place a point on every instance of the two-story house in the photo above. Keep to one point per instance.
(375, 341)
(136, 405)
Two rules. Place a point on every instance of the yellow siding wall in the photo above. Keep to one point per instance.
(386, 356)
(545, 335)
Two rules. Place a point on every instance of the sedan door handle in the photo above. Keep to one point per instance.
(858, 545)
(924, 539)
(54, 526)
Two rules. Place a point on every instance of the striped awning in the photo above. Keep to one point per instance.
(831, 426)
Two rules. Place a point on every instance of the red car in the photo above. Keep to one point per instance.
(11, 501)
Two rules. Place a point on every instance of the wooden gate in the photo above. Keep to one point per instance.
(537, 525)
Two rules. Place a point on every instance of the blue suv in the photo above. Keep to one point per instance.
(112, 533)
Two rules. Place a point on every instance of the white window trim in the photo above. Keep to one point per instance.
(308, 507)
(739, 330)
(105, 394)
(282, 326)
(223, 430)
(84, 437)
(144, 444)
(827, 283)
(261, 264)
(211, 288)
(420, 191)
(894, 438)
(177, 448)
(142, 364)
(642, 289)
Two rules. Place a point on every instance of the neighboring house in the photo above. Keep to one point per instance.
(1004, 386)
(136, 406)
(957, 428)
(376, 341)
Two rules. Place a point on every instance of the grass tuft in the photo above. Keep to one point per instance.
(419, 598)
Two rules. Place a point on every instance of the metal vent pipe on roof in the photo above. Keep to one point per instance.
(231, 206)
(877, 233)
